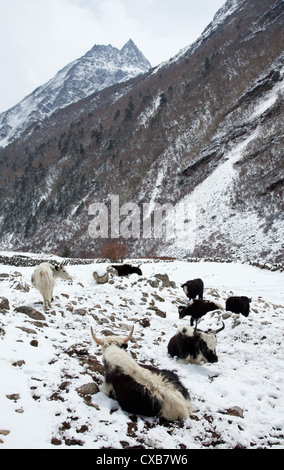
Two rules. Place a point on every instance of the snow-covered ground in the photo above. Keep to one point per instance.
(44, 363)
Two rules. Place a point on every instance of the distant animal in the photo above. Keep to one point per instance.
(238, 305)
(193, 288)
(43, 279)
(197, 309)
(126, 269)
(140, 389)
(191, 345)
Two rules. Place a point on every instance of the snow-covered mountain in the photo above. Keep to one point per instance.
(99, 68)
(203, 129)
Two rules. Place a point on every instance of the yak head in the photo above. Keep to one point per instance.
(113, 340)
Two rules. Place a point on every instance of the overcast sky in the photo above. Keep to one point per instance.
(40, 37)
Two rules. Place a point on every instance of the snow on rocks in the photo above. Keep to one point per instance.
(51, 370)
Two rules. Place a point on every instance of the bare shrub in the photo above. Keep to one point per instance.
(114, 251)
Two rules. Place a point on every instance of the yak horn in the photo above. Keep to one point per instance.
(98, 341)
(220, 329)
(129, 336)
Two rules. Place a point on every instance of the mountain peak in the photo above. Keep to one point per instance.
(101, 67)
(131, 52)
(129, 43)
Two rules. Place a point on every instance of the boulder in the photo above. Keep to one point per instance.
(100, 278)
(30, 312)
(4, 303)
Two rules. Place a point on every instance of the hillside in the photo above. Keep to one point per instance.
(50, 397)
(204, 128)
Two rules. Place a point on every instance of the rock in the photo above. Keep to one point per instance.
(100, 278)
(226, 315)
(165, 280)
(4, 432)
(30, 312)
(34, 343)
(158, 298)
(17, 274)
(154, 284)
(88, 389)
(158, 312)
(27, 330)
(4, 276)
(125, 326)
(22, 287)
(18, 363)
(4, 303)
(234, 411)
(14, 397)
(144, 322)
(236, 323)
(80, 311)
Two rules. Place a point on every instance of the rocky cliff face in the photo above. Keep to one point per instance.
(205, 129)
(99, 68)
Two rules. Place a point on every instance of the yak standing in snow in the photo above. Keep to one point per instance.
(238, 305)
(197, 309)
(193, 288)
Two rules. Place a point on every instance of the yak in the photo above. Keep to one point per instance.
(197, 309)
(238, 305)
(194, 346)
(126, 269)
(193, 288)
(140, 389)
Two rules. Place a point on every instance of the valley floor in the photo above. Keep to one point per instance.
(51, 370)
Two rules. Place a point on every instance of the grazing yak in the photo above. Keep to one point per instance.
(197, 309)
(126, 269)
(193, 288)
(194, 346)
(43, 279)
(140, 389)
(238, 305)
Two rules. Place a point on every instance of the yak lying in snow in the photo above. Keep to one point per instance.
(141, 389)
(193, 288)
(126, 269)
(238, 305)
(197, 309)
(191, 345)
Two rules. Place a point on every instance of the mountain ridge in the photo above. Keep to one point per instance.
(100, 67)
(215, 110)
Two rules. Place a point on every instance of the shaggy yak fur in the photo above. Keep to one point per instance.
(140, 389)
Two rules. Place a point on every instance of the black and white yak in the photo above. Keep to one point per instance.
(194, 346)
(140, 389)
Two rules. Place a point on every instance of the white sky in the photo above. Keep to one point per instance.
(40, 37)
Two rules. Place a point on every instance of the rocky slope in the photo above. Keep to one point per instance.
(205, 129)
